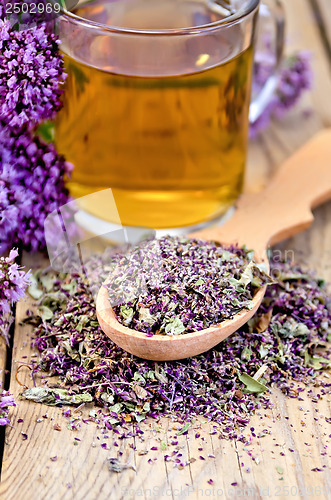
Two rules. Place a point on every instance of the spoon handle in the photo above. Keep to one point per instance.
(284, 207)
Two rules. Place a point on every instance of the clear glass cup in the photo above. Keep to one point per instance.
(157, 105)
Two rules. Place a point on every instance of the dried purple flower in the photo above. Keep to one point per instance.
(176, 285)
(31, 74)
(31, 186)
(295, 78)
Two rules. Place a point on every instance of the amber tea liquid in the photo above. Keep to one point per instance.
(172, 148)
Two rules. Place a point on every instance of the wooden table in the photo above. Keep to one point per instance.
(282, 461)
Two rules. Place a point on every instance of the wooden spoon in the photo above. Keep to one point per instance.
(260, 220)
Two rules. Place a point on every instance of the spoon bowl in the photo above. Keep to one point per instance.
(165, 347)
(280, 211)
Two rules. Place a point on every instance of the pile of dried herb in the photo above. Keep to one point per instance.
(285, 341)
(175, 285)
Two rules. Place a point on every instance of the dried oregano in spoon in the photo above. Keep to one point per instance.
(286, 341)
(175, 285)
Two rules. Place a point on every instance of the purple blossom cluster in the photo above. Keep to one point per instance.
(13, 283)
(31, 186)
(6, 400)
(295, 78)
(31, 172)
(31, 74)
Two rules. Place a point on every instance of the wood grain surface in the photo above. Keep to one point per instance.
(291, 460)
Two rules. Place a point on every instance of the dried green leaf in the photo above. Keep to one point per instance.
(160, 374)
(174, 327)
(47, 281)
(263, 322)
(54, 397)
(139, 417)
(114, 465)
(113, 420)
(145, 316)
(183, 429)
(72, 353)
(246, 353)
(137, 377)
(140, 391)
(45, 313)
(127, 314)
(300, 329)
(263, 351)
(251, 384)
(150, 375)
(34, 289)
(247, 275)
(146, 407)
(116, 408)
(307, 358)
(317, 362)
(70, 287)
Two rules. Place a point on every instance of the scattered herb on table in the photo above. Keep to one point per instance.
(173, 285)
(280, 345)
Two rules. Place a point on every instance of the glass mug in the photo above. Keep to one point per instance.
(157, 104)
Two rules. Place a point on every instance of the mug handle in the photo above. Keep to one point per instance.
(270, 9)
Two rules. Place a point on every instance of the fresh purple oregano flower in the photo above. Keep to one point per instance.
(6, 400)
(32, 185)
(32, 174)
(31, 74)
(13, 283)
(295, 78)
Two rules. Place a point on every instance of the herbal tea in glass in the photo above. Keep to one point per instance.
(156, 107)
